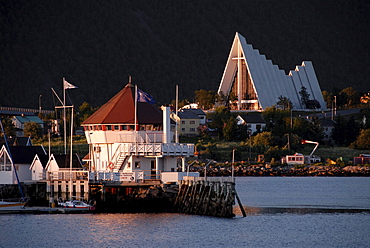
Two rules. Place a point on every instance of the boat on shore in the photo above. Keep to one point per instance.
(10, 206)
(76, 204)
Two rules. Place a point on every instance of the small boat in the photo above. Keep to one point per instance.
(77, 204)
(10, 206)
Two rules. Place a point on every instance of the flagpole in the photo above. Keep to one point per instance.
(64, 117)
(135, 112)
(177, 106)
(70, 162)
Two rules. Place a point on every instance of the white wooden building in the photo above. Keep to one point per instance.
(21, 157)
(130, 138)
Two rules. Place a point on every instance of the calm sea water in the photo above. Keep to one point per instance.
(282, 212)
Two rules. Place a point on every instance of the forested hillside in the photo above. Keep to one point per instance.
(97, 44)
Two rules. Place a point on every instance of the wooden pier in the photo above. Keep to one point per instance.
(207, 196)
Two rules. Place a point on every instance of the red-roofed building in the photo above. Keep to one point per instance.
(132, 136)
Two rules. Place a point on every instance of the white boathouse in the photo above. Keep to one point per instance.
(130, 139)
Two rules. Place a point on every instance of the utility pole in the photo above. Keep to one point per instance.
(232, 163)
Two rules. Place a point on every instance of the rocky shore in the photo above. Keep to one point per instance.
(288, 171)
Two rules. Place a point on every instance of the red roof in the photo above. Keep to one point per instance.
(121, 110)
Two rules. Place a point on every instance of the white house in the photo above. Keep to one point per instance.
(130, 136)
(328, 126)
(37, 167)
(255, 123)
(63, 179)
(21, 157)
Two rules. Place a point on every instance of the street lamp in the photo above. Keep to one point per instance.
(40, 102)
(232, 163)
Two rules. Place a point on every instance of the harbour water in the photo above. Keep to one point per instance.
(282, 212)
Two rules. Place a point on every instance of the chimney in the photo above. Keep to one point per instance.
(166, 124)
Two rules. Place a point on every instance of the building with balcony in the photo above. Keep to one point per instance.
(131, 137)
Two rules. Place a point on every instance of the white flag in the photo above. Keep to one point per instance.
(68, 86)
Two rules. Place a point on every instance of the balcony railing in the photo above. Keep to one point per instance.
(67, 175)
(140, 137)
(157, 149)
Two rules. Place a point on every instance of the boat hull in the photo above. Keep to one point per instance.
(11, 206)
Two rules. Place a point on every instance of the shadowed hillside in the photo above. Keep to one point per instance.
(96, 44)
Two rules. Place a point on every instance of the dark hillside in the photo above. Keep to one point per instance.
(96, 44)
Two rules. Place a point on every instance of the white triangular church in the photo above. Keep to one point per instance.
(257, 83)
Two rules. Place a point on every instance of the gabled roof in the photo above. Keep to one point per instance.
(195, 111)
(327, 122)
(25, 118)
(268, 81)
(25, 154)
(252, 118)
(43, 160)
(63, 161)
(11, 141)
(23, 141)
(17, 141)
(121, 110)
(187, 115)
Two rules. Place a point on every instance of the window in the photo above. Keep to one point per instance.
(183, 129)
(182, 122)
(137, 164)
(116, 127)
(192, 122)
(109, 127)
(192, 129)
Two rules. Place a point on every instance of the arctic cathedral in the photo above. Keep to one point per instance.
(256, 83)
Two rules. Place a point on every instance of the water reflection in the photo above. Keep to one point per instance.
(297, 210)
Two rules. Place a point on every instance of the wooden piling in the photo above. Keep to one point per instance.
(207, 197)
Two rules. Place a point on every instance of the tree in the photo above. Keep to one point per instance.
(8, 127)
(230, 129)
(316, 131)
(263, 139)
(350, 96)
(305, 96)
(284, 103)
(328, 98)
(85, 110)
(363, 140)
(337, 131)
(206, 99)
(313, 104)
(277, 120)
(33, 130)
(219, 118)
(222, 98)
(180, 104)
(345, 132)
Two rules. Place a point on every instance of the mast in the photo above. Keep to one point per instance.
(64, 117)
